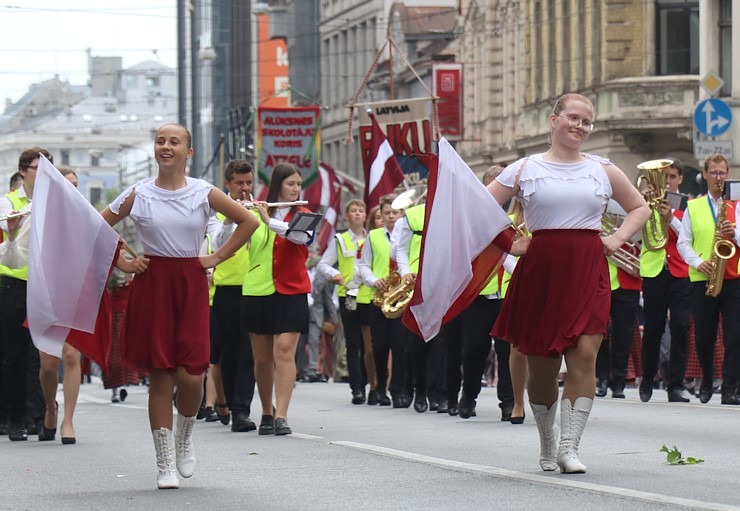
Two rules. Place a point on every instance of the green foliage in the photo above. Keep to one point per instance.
(673, 457)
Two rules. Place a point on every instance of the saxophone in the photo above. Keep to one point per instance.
(722, 250)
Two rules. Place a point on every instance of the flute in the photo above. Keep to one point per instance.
(251, 205)
(16, 214)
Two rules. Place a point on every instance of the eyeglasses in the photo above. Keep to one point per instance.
(576, 122)
(718, 175)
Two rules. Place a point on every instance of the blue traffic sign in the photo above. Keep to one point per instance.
(712, 117)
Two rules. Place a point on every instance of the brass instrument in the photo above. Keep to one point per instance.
(655, 231)
(16, 214)
(396, 298)
(627, 257)
(410, 197)
(722, 250)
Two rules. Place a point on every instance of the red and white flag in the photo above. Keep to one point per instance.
(71, 253)
(457, 256)
(382, 171)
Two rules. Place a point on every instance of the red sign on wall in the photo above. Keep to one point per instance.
(447, 86)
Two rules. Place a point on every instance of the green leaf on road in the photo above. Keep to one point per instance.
(673, 457)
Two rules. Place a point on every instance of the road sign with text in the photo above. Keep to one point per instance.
(705, 148)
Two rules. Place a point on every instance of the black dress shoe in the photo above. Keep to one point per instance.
(618, 391)
(358, 397)
(420, 403)
(646, 391)
(705, 395)
(267, 425)
(729, 398)
(506, 413)
(372, 398)
(210, 414)
(442, 407)
(433, 404)
(17, 431)
(281, 427)
(241, 423)
(384, 400)
(453, 411)
(601, 388)
(678, 395)
(466, 407)
(406, 400)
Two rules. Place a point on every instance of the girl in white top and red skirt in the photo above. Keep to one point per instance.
(558, 301)
(167, 318)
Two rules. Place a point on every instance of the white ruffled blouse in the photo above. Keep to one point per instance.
(560, 195)
(170, 223)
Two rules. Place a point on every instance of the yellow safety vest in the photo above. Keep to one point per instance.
(381, 262)
(18, 204)
(415, 219)
(231, 272)
(346, 263)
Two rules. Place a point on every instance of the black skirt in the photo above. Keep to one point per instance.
(275, 314)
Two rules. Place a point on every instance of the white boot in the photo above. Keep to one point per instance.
(184, 445)
(548, 430)
(167, 477)
(572, 423)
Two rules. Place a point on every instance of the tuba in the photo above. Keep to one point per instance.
(627, 256)
(655, 231)
(396, 299)
(722, 251)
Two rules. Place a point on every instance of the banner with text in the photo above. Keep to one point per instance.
(288, 135)
(407, 125)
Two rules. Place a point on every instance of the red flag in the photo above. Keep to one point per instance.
(457, 257)
(382, 171)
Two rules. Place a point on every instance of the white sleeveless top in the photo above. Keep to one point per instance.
(170, 223)
(560, 195)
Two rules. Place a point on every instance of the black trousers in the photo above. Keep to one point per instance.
(660, 294)
(388, 337)
(233, 348)
(706, 320)
(15, 346)
(354, 346)
(614, 356)
(428, 364)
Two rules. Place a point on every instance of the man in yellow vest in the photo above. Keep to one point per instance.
(696, 243)
(343, 253)
(231, 351)
(665, 286)
(16, 347)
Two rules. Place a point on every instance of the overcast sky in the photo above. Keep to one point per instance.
(43, 38)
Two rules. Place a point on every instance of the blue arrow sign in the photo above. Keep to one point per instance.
(712, 117)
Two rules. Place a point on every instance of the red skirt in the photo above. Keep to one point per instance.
(167, 318)
(559, 291)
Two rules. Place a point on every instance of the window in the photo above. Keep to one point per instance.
(96, 194)
(152, 81)
(725, 46)
(677, 37)
(95, 160)
(65, 156)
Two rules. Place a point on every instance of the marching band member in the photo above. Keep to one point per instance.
(564, 193)
(701, 230)
(343, 253)
(373, 270)
(232, 363)
(665, 287)
(16, 347)
(167, 324)
(275, 297)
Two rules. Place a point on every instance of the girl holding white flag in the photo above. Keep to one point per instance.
(167, 319)
(564, 193)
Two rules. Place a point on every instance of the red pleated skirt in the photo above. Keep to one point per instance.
(559, 291)
(167, 323)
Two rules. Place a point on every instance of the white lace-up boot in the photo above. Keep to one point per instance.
(184, 445)
(167, 477)
(548, 430)
(573, 420)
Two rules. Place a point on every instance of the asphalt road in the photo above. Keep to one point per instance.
(360, 457)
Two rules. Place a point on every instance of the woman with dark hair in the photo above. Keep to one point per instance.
(275, 297)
